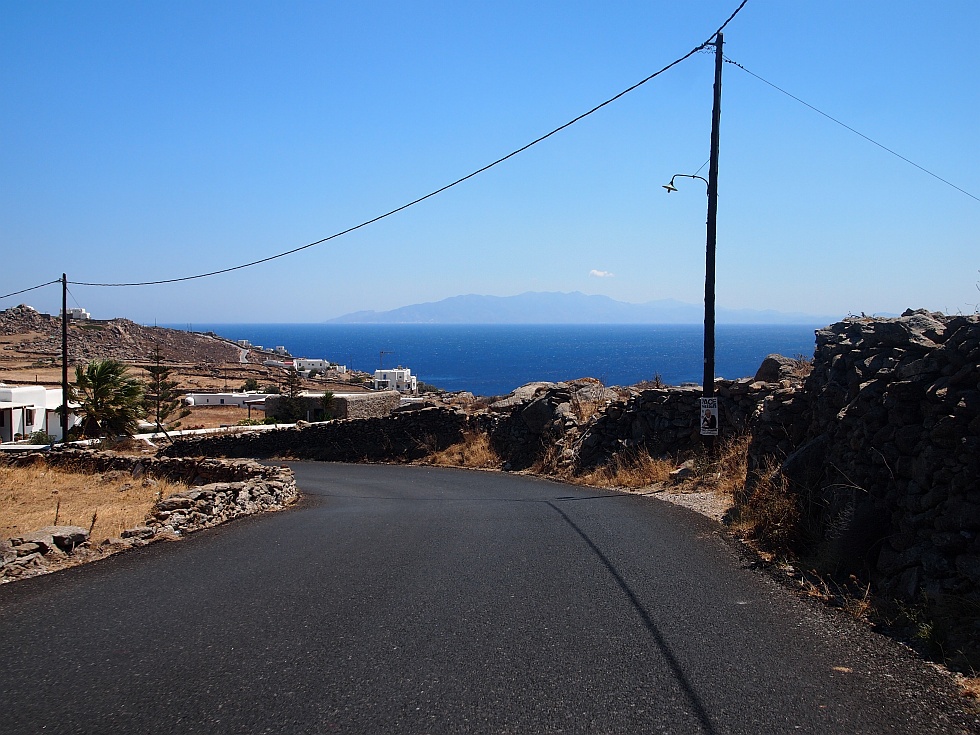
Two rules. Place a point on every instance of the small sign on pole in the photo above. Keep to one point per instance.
(709, 417)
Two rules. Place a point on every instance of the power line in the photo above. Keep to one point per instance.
(32, 288)
(856, 132)
(439, 190)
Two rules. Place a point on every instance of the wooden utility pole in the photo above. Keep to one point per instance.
(64, 358)
(712, 229)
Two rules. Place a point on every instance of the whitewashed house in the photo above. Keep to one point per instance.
(226, 399)
(79, 313)
(304, 365)
(400, 379)
(30, 408)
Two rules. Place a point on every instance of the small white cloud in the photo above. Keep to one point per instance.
(601, 274)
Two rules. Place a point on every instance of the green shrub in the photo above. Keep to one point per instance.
(40, 437)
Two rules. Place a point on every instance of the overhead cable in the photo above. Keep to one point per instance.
(856, 132)
(439, 190)
(32, 288)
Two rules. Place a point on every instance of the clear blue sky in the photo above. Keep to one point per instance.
(151, 140)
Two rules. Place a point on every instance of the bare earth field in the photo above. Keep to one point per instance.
(38, 496)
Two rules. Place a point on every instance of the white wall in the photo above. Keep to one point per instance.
(223, 399)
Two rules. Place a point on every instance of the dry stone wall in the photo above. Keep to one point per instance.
(666, 421)
(400, 438)
(351, 406)
(884, 457)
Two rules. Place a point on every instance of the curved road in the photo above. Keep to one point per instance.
(422, 600)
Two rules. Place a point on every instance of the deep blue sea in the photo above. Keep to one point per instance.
(495, 359)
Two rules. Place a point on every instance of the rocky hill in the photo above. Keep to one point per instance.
(35, 335)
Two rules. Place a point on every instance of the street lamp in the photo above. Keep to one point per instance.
(709, 403)
(670, 187)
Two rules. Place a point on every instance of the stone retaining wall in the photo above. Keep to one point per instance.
(222, 490)
(399, 438)
(350, 406)
(884, 457)
(666, 421)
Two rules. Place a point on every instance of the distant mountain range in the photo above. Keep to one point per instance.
(567, 308)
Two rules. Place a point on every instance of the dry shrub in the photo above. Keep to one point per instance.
(769, 512)
(656, 384)
(732, 463)
(588, 400)
(474, 451)
(550, 462)
(802, 366)
(633, 469)
(34, 497)
(970, 687)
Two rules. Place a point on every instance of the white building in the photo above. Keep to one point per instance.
(226, 399)
(30, 408)
(79, 313)
(280, 350)
(303, 365)
(400, 379)
(243, 343)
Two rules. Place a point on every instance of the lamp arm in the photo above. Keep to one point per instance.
(687, 176)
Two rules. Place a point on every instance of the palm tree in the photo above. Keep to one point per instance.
(110, 401)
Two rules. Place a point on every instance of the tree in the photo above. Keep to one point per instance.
(327, 404)
(110, 400)
(251, 384)
(292, 407)
(161, 402)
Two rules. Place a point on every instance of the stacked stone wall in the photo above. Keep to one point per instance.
(366, 405)
(887, 463)
(666, 421)
(352, 406)
(401, 437)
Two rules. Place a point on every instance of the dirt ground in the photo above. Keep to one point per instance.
(213, 417)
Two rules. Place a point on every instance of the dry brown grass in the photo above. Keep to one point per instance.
(970, 686)
(474, 452)
(37, 496)
(731, 464)
(632, 470)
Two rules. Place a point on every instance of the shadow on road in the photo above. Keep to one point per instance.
(651, 627)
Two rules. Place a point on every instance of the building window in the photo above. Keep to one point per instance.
(28, 418)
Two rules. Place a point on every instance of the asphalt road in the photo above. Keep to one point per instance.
(420, 600)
